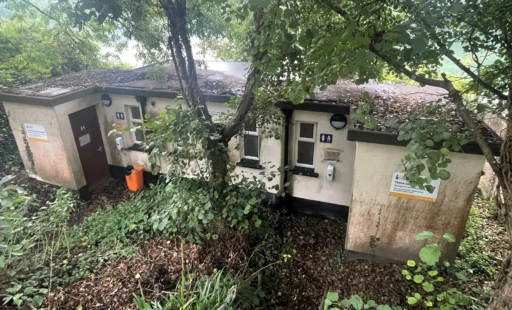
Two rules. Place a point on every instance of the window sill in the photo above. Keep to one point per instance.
(307, 172)
(249, 163)
(135, 147)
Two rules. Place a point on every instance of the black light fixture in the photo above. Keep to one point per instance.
(106, 100)
(338, 121)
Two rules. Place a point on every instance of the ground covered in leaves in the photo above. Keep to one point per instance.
(300, 259)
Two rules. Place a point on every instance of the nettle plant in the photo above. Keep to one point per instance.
(428, 274)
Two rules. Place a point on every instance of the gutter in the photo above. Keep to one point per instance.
(386, 138)
(288, 115)
(56, 100)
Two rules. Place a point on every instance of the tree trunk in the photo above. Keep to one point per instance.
(502, 297)
(219, 160)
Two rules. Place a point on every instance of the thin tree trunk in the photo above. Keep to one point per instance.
(502, 298)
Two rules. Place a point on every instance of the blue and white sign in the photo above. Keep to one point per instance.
(325, 138)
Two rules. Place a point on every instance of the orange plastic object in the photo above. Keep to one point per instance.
(135, 180)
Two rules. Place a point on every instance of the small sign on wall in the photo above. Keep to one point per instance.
(120, 115)
(325, 138)
(332, 154)
(401, 188)
(36, 133)
(84, 140)
(118, 127)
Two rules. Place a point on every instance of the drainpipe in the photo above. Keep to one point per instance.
(143, 101)
(288, 115)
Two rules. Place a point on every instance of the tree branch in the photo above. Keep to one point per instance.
(248, 98)
(449, 54)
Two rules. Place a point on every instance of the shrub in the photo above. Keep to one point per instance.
(188, 208)
(123, 223)
(31, 238)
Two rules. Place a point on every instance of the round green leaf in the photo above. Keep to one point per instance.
(411, 263)
(333, 296)
(419, 278)
(411, 300)
(449, 237)
(428, 287)
(430, 254)
(424, 235)
(444, 174)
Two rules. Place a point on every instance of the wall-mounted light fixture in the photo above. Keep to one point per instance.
(338, 121)
(106, 100)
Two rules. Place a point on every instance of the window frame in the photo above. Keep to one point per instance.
(303, 139)
(254, 134)
(137, 121)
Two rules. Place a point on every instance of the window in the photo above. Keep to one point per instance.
(306, 144)
(136, 120)
(251, 140)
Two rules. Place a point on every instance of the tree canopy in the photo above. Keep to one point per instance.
(36, 46)
(299, 46)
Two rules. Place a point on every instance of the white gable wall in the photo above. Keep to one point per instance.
(50, 159)
(338, 191)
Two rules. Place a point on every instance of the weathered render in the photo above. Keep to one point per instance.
(385, 226)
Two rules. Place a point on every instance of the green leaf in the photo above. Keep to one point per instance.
(429, 143)
(37, 301)
(424, 235)
(257, 223)
(449, 237)
(346, 303)
(430, 254)
(163, 224)
(428, 287)
(433, 273)
(7, 202)
(411, 263)
(384, 307)
(371, 303)
(357, 302)
(2, 262)
(445, 151)
(411, 300)
(444, 174)
(418, 278)
(480, 108)
(333, 296)
(461, 276)
(429, 188)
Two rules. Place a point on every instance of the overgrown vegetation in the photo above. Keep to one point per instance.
(36, 46)
(218, 291)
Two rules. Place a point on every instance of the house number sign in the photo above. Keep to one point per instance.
(119, 115)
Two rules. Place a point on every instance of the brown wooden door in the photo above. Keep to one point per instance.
(87, 133)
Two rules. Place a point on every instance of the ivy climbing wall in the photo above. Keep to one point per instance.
(9, 154)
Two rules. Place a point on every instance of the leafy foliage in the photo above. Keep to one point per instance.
(29, 242)
(207, 292)
(333, 302)
(35, 46)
